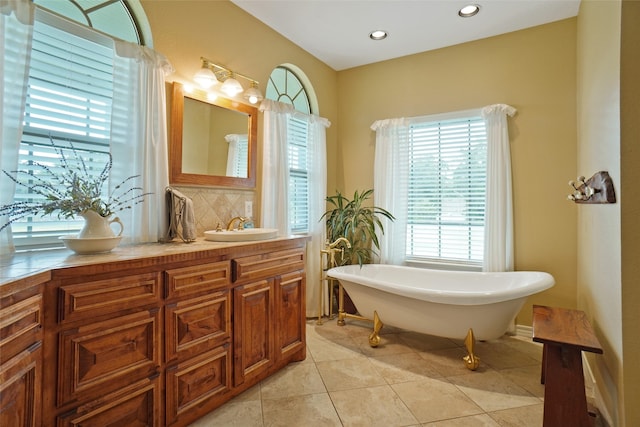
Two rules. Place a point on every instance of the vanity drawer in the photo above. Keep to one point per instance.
(197, 279)
(20, 326)
(88, 300)
(198, 385)
(196, 325)
(137, 404)
(267, 265)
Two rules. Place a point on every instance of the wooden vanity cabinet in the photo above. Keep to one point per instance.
(152, 341)
(198, 340)
(106, 332)
(254, 324)
(269, 315)
(21, 353)
(291, 316)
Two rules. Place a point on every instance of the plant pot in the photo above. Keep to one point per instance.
(96, 236)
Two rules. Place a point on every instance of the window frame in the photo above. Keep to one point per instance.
(448, 262)
(24, 237)
(298, 150)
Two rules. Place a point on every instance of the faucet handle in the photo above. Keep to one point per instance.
(241, 222)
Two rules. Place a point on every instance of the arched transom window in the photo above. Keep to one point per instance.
(123, 19)
(285, 86)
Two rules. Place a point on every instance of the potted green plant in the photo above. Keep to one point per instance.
(358, 222)
(69, 189)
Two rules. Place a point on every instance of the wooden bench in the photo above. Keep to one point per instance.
(565, 334)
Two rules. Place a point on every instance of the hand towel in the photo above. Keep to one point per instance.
(182, 221)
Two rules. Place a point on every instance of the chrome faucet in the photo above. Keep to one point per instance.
(241, 220)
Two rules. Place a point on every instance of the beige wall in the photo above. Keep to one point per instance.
(608, 236)
(630, 210)
(534, 71)
(598, 106)
(186, 30)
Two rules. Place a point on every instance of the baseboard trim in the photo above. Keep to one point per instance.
(594, 397)
(524, 331)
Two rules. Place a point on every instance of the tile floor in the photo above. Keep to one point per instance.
(409, 380)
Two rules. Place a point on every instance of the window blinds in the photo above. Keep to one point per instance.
(447, 187)
(299, 158)
(68, 99)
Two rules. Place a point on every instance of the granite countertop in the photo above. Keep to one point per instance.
(24, 264)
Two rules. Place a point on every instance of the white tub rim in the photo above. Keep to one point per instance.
(480, 294)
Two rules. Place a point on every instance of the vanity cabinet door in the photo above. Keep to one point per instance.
(253, 329)
(21, 356)
(21, 388)
(291, 316)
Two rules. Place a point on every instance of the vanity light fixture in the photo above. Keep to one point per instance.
(212, 73)
(469, 10)
(205, 76)
(253, 94)
(231, 86)
(378, 35)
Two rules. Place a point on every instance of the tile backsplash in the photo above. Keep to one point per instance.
(213, 206)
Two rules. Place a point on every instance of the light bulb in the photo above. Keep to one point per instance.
(231, 87)
(253, 94)
(205, 78)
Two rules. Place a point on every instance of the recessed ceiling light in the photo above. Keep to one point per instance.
(469, 10)
(378, 35)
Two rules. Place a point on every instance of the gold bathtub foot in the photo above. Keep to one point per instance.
(471, 360)
(341, 316)
(374, 338)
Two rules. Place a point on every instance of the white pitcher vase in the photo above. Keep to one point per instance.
(96, 226)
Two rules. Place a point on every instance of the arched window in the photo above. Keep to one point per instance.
(286, 86)
(69, 96)
(122, 19)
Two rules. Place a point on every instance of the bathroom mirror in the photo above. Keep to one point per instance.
(212, 142)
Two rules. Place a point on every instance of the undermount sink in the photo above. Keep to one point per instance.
(248, 234)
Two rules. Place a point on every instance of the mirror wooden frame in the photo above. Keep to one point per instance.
(176, 175)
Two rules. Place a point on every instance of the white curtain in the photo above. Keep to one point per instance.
(498, 240)
(275, 170)
(390, 185)
(16, 33)
(317, 206)
(275, 185)
(139, 137)
(237, 154)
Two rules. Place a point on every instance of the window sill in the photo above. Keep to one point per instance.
(442, 265)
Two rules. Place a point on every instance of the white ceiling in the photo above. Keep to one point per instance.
(337, 31)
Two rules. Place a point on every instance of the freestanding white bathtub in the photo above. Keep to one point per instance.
(442, 303)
